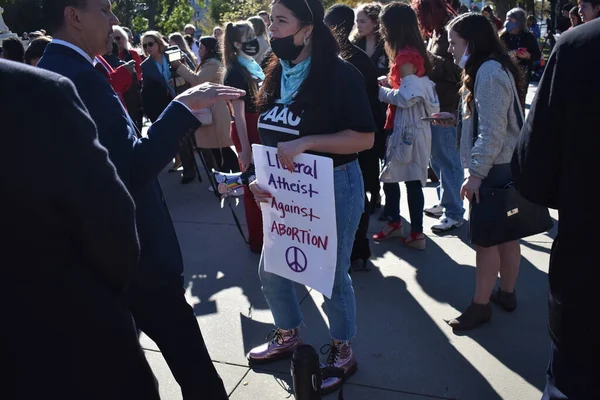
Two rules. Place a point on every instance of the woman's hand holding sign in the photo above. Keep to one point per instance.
(260, 195)
(286, 151)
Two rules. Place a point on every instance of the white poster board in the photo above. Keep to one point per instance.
(299, 225)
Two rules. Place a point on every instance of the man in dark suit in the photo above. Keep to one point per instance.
(69, 249)
(81, 31)
(557, 149)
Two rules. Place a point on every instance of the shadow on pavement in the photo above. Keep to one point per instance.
(518, 340)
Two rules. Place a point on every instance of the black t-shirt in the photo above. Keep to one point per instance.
(344, 105)
(236, 78)
(526, 40)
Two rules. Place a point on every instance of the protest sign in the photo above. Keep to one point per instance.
(300, 234)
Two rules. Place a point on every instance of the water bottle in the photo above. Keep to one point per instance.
(306, 373)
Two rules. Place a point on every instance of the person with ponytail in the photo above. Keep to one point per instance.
(327, 113)
(243, 72)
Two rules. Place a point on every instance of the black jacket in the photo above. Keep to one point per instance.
(69, 249)
(554, 165)
(523, 40)
(445, 73)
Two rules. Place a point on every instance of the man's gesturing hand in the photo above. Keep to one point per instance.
(207, 94)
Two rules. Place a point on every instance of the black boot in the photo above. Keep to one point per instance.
(475, 315)
(508, 301)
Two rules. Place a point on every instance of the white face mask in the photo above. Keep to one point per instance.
(465, 57)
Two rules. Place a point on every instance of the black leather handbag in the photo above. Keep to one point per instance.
(502, 214)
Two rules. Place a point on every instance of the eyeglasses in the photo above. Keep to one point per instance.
(118, 38)
(149, 44)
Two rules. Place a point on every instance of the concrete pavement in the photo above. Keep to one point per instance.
(404, 348)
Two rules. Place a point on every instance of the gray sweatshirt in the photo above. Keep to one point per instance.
(495, 94)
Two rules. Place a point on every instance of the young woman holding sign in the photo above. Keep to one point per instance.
(328, 115)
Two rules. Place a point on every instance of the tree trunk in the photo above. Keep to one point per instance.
(503, 6)
(530, 6)
(152, 10)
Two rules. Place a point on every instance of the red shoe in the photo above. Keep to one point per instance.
(415, 241)
(390, 230)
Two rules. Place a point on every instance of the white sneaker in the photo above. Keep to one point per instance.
(445, 224)
(436, 211)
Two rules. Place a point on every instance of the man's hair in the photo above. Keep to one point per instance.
(54, 11)
(13, 49)
(263, 12)
(189, 26)
(36, 49)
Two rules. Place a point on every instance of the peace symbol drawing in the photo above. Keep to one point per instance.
(296, 259)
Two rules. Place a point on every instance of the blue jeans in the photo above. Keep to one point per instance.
(341, 308)
(416, 202)
(445, 162)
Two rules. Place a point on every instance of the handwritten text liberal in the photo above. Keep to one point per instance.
(300, 168)
(300, 235)
(305, 212)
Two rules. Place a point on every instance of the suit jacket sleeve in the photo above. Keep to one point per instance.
(98, 206)
(537, 159)
(138, 161)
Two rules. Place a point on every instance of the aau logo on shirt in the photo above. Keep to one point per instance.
(280, 119)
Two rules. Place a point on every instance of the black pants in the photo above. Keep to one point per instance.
(369, 166)
(164, 315)
(225, 160)
(186, 156)
(572, 375)
(361, 249)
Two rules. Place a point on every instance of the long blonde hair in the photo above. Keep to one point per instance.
(158, 38)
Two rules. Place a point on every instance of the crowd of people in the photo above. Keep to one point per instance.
(409, 88)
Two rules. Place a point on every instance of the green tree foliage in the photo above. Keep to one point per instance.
(223, 11)
(139, 24)
(22, 15)
(173, 16)
(125, 10)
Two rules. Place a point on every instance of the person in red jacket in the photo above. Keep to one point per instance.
(120, 79)
(126, 52)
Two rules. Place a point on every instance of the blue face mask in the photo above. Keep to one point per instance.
(510, 26)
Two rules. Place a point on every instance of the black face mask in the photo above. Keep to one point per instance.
(285, 48)
(250, 47)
